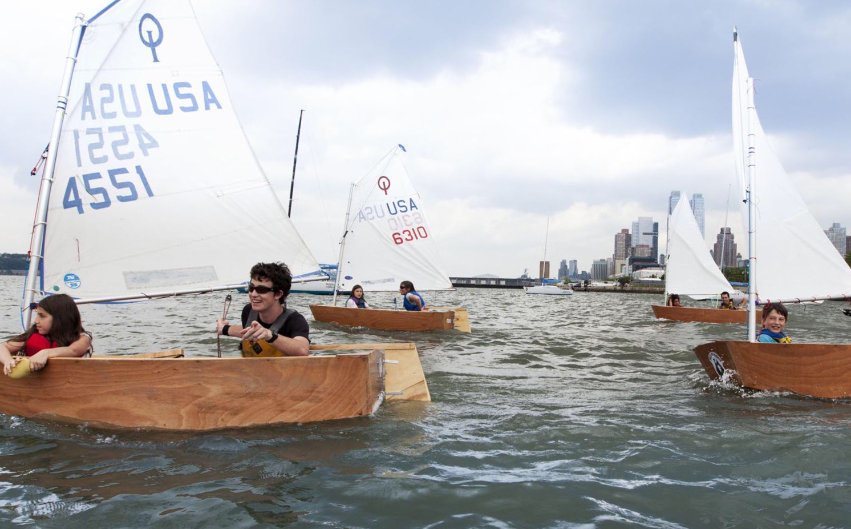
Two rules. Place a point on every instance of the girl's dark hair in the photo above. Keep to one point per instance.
(355, 288)
(67, 325)
(408, 285)
(278, 273)
(775, 306)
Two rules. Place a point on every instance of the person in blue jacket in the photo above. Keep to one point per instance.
(774, 324)
(411, 299)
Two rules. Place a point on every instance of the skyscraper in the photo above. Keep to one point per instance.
(562, 269)
(699, 211)
(724, 250)
(837, 236)
(599, 269)
(646, 232)
(572, 268)
(672, 201)
(623, 250)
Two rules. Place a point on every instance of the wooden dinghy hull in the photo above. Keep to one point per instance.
(434, 319)
(815, 370)
(207, 393)
(703, 315)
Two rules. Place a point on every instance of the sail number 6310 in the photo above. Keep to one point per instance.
(418, 232)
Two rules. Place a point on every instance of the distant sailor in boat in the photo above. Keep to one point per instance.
(57, 331)
(674, 300)
(412, 300)
(268, 327)
(774, 324)
(727, 303)
(356, 300)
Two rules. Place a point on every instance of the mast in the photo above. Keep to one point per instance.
(37, 242)
(751, 114)
(343, 245)
(751, 227)
(295, 160)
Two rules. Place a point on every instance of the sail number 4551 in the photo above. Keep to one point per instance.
(119, 180)
(418, 232)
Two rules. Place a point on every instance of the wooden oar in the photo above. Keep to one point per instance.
(224, 317)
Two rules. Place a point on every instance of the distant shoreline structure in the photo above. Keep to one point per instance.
(635, 287)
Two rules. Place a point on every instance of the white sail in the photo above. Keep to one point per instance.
(796, 260)
(388, 238)
(156, 188)
(689, 268)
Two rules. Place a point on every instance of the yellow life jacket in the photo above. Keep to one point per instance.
(262, 348)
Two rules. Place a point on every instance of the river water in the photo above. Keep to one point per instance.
(571, 412)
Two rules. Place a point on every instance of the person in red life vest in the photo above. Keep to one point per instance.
(57, 331)
(268, 327)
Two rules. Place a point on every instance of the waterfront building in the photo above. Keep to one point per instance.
(562, 270)
(599, 270)
(623, 250)
(838, 237)
(724, 249)
(572, 268)
(543, 270)
(645, 231)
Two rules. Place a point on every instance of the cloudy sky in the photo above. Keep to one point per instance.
(584, 113)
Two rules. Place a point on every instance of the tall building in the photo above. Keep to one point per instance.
(672, 201)
(572, 268)
(724, 249)
(599, 269)
(562, 269)
(646, 232)
(623, 250)
(699, 210)
(838, 237)
(544, 270)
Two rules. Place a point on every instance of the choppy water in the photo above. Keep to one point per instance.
(574, 412)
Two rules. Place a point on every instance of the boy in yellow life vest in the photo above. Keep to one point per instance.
(268, 327)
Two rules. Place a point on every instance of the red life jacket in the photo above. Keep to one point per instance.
(37, 342)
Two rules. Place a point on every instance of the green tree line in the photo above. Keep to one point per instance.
(13, 261)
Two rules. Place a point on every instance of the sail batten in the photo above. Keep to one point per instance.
(155, 185)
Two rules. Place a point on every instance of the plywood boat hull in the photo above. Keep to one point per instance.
(702, 314)
(205, 393)
(436, 318)
(817, 370)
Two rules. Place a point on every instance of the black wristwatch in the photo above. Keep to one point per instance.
(273, 337)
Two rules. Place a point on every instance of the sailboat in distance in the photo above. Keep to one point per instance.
(151, 189)
(791, 260)
(386, 240)
(691, 271)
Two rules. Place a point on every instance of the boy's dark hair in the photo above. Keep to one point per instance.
(775, 306)
(278, 273)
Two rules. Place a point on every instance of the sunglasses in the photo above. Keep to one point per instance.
(261, 289)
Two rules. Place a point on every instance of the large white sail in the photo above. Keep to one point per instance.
(388, 238)
(795, 259)
(156, 188)
(689, 269)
